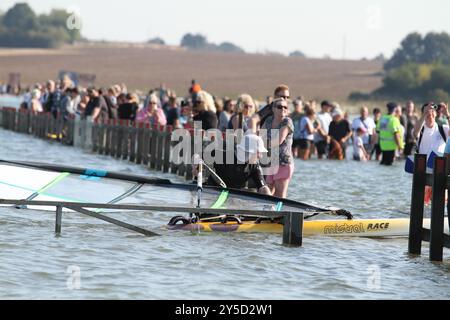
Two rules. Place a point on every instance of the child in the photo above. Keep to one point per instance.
(359, 152)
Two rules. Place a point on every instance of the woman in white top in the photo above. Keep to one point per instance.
(35, 103)
(307, 130)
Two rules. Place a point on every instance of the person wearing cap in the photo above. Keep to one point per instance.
(390, 134)
(245, 167)
(339, 133)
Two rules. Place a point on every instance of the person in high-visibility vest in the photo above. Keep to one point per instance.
(390, 134)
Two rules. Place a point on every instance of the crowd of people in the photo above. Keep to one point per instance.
(306, 129)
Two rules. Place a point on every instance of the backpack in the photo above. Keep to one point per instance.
(441, 131)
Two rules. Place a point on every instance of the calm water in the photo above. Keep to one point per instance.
(116, 264)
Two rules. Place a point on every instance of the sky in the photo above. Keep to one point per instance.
(346, 29)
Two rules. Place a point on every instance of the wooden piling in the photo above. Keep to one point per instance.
(437, 209)
(417, 203)
(140, 143)
(133, 142)
(147, 136)
(58, 220)
(160, 149)
(166, 142)
(293, 229)
(153, 147)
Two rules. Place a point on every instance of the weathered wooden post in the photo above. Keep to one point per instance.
(166, 139)
(140, 143)
(58, 220)
(147, 139)
(160, 148)
(437, 209)
(133, 140)
(126, 140)
(293, 229)
(417, 203)
(153, 146)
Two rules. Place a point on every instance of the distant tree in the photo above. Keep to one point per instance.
(273, 53)
(192, 41)
(229, 47)
(440, 79)
(157, 40)
(380, 58)
(417, 49)
(297, 53)
(20, 27)
(438, 96)
(58, 19)
(437, 48)
(20, 17)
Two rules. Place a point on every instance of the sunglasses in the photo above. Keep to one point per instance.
(248, 106)
(279, 107)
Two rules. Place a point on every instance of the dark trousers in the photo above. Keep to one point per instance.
(409, 146)
(387, 157)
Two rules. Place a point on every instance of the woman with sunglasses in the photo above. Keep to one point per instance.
(281, 174)
(152, 113)
(246, 106)
(203, 112)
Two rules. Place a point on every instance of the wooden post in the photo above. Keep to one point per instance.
(58, 220)
(160, 149)
(140, 137)
(167, 134)
(126, 140)
(119, 146)
(153, 147)
(113, 144)
(293, 229)
(147, 138)
(107, 138)
(437, 209)
(417, 202)
(133, 139)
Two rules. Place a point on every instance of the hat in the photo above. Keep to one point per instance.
(250, 145)
(337, 112)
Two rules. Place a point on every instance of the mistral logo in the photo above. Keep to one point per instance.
(73, 22)
(231, 147)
